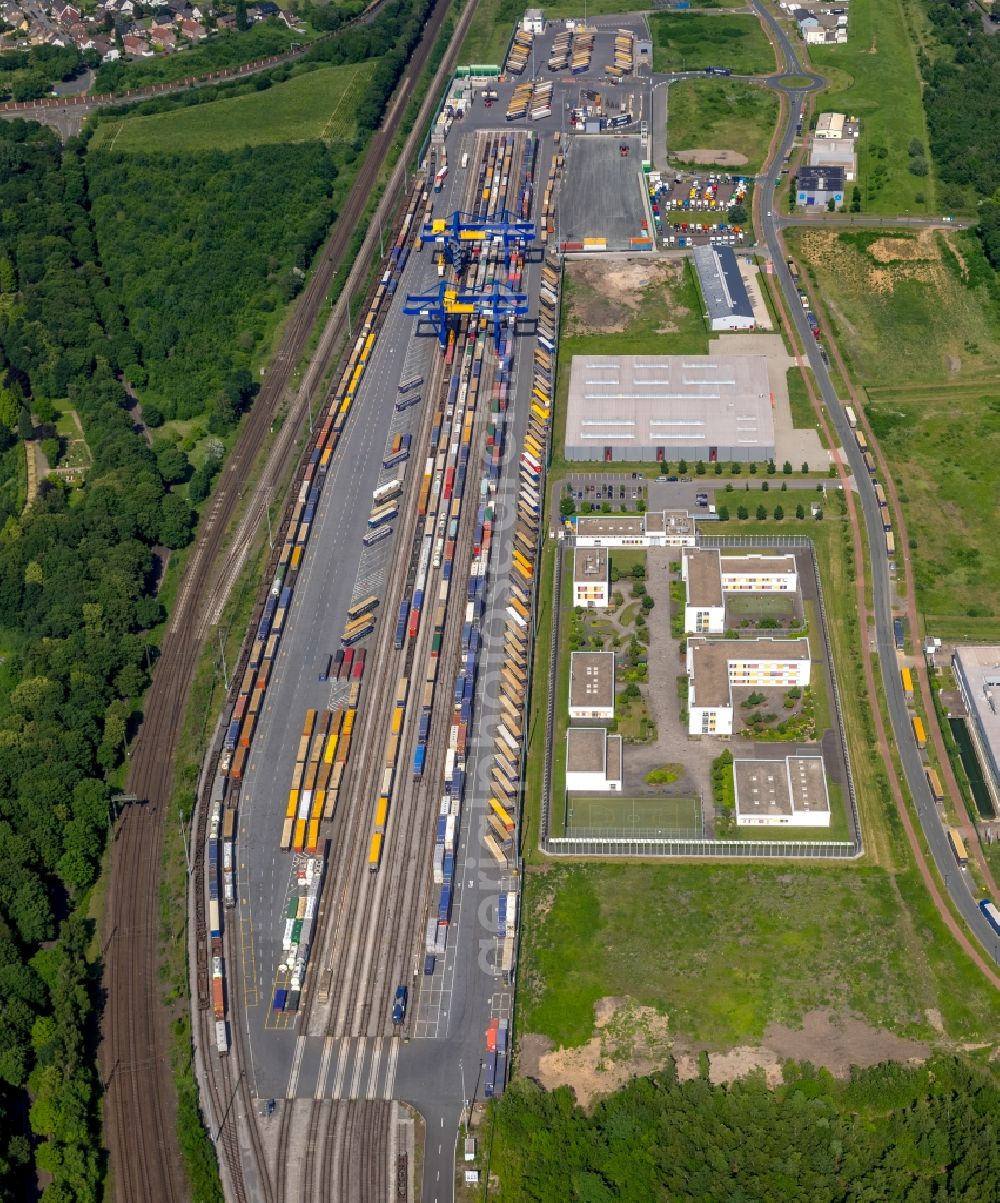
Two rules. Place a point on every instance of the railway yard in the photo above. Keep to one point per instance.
(360, 881)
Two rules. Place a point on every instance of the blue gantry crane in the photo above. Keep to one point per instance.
(444, 305)
(461, 230)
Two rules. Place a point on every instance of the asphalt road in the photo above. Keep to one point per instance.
(956, 881)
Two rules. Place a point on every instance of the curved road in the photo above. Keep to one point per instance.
(956, 883)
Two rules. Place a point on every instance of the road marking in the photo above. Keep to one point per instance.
(324, 1067)
(359, 1065)
(293, 1077)
(341, 1066)
(373, 1072)
(390, 1070)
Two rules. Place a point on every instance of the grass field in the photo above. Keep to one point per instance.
(721, 114)
(647, 816)
(687, 40)
(948, 474)
(907, 308)
(490, 31)
(315, 104)
(922, 337)
(726, 950)
(875, 78)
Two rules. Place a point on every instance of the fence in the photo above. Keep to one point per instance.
(634, 845)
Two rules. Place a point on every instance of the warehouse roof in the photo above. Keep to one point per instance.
(832, 152)
(590, 564)
(669, 400)
(721, 283)
(592, 680)
(710, 660)
(796, 784)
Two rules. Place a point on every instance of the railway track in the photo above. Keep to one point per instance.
(135, 1052)
(366, 906)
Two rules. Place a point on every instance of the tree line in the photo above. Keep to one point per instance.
(892, 1133)
(962, 103)
(76, 569)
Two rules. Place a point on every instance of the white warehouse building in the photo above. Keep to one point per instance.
(669, 407)
(715, 667)
(592, 685)
(790, 792)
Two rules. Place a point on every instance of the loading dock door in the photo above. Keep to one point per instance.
(659, 455)
(608, 455)
(713, 454)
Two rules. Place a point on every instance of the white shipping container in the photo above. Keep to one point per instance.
(456, 808)
(221, 1036)
(449, 759)
(507, 955)
(511, 913)
(444, 806)
(449, 833)
(227, 856)
(438, 864)
(431, 935)
(286, 939)
(310, 906)
(442, 939)
(305, 804)
(228, 889)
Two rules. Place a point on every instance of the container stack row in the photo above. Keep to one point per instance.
(520, 49)
(300, 923)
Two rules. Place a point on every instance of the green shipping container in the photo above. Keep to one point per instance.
(293, 908)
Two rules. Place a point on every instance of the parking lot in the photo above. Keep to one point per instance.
(602, 197)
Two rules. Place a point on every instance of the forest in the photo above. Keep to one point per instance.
(76, 569)
(205, 250)
(962, 102)
(891, 1134)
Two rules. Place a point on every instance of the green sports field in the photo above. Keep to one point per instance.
(651, 816)
(315, 104)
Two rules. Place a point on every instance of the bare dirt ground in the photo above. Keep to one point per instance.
(838, 1044)
(726, 158)
(631, 1040)
(606, 295)
(896, 259)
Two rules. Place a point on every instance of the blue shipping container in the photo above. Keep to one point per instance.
(280, 997)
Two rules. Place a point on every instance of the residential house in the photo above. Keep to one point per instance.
(194, 31)
(135, 45)
(164, 37)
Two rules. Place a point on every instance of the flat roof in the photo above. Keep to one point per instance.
(629, 526)
(796, 784)
(832, 152)
(620, 525)
(758, 565)
(592, 680)
(710, 660)
(704, 576)
(722, 285)
(590, 564)
(586, 749)
(614, 753)
(669, 400)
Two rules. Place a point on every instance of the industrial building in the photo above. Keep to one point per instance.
(533, 21)
(819, 185)
(715, 667)
(977, 670)
(782, 793)
(726, 298)
(590, 578)
(593, 760)
(669, 407)
(834, 152)
(709, 576)
(664, 528)
(592, 685)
